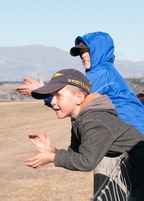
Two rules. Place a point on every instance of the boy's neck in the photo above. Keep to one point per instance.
(85, 101)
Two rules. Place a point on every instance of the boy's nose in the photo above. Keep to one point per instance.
(53, 102)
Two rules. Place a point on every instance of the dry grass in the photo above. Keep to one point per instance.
(21, 183)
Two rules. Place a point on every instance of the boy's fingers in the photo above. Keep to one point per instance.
(33, 165)
(32, 140)
(27, 80)
(32, 135)
(46, 135)
(31, 159)
(33, 162)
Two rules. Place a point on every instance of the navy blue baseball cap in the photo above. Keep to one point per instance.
(59, 80)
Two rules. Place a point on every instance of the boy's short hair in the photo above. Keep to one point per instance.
(59, 80)
(73, 89)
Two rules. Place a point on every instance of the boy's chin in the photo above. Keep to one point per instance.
(61, 117)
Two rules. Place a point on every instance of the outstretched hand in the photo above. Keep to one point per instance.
(29, 85)
(40, 160)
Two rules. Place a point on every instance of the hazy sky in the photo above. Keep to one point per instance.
(56, 23)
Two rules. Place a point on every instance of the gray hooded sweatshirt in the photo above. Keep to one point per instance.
(97, 132)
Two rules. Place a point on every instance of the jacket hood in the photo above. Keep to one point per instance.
(101, 47)
(97, 101)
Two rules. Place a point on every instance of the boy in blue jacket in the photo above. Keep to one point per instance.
(97, 54)
(96, 51)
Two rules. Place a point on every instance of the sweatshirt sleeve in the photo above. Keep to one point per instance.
(95, 139)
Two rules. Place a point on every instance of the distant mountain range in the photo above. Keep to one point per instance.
(38, 60)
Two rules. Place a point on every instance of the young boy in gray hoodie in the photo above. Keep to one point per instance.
(96, 130)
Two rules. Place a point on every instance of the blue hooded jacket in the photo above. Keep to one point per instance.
(107, 80)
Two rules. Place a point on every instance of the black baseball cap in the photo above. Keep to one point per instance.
(59, 80)
(75, 51)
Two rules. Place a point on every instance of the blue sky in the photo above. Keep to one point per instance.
(55, 23)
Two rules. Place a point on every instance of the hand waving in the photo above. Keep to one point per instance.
(29, 85)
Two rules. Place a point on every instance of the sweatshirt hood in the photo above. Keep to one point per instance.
(97, 101)
(101, 47)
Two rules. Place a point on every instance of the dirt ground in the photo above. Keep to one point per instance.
(48, 183)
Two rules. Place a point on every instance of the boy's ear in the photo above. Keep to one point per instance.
(80, 97)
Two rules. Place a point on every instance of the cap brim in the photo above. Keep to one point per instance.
(75, 51)
(47, 90)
